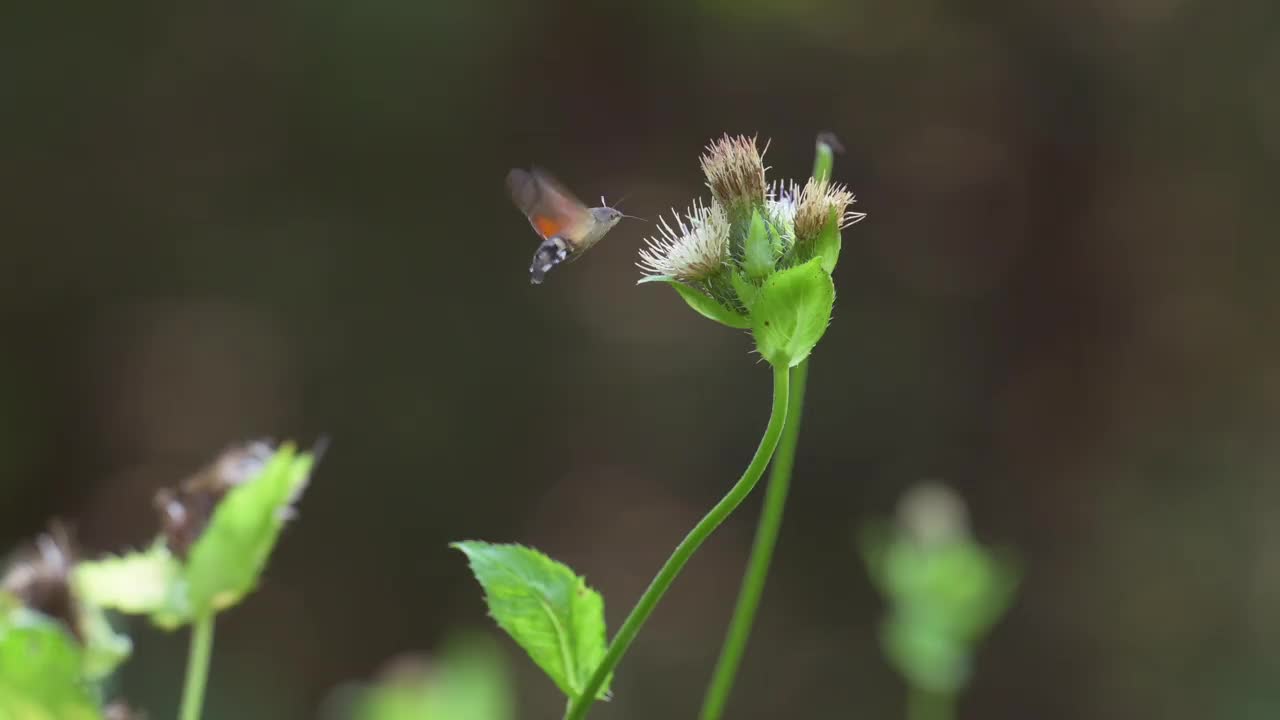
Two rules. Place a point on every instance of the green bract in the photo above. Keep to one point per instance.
(791, 313)
(547, 609)
(758, 254)
(827, 246)
(709, 307)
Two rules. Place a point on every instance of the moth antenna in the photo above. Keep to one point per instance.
(619, 203)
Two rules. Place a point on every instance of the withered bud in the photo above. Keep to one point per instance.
(818, 202)
(185, 511)
(735, 172)
(40, 577)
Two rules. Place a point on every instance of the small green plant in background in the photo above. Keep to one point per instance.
(945, 591)
(55, 650)
(757, 257)
(467, 680)
(217, 531)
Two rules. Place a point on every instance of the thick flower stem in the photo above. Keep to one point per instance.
(687, 547)
(197, 667)
(775, 500)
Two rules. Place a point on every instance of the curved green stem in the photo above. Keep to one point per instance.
(775, 500)
(197, 667)
(687, 547)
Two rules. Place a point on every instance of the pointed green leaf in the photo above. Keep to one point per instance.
(547, 609)
(758, 253)
(792, 312)
(225, 562)
(41, 669)
(746, 290)
(709, 307)
(827, 244)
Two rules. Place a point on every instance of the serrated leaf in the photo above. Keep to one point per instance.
(827, 245)
(791, 313)
(226, 561)
(758, 253)
(41, 670)
(547, 609)
(709, 307)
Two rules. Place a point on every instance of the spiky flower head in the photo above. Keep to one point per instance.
(693, 251)
(783, 200)
(817, 203)
(735, 173)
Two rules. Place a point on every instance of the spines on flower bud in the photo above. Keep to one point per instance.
(694, 251)
(735, 173)
(817, 203)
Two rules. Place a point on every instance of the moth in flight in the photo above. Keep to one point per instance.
(567, 227)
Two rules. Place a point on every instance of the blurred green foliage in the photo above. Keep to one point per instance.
(467, 680)
(42, 669)
(944, 589)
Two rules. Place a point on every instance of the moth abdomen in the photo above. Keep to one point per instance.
(552, 252)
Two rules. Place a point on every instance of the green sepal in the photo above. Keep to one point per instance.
(827, 244)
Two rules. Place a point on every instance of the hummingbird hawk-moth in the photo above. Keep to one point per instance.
(566, 225)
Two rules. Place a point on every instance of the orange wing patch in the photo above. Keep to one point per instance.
(547, 226)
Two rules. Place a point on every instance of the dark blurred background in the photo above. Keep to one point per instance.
(227, 219)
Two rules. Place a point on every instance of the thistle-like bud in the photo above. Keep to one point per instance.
(817, 203)
(735, 173)
(693, 251)
(40, 578)
(186, 510)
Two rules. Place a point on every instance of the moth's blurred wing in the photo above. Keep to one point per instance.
(552, 209)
